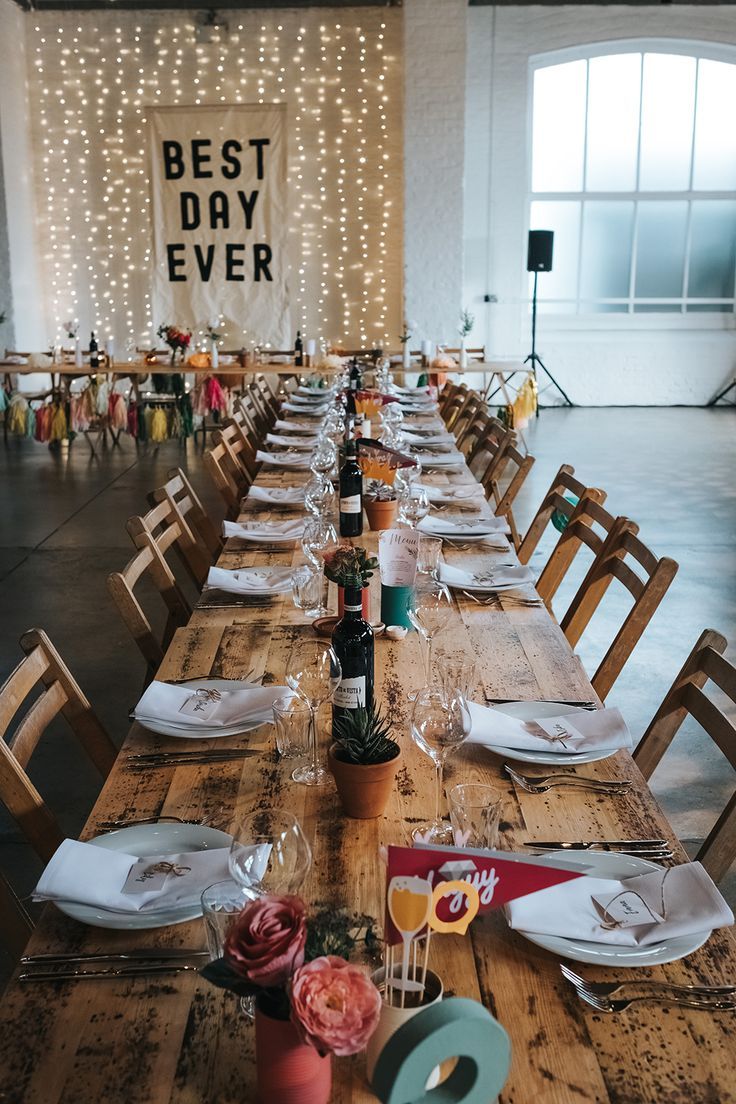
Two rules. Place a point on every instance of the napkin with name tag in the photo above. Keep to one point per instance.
(251, 580)
(294, 427)
(276, 496)
(275, 532)
(488, 580)
(631, 912)
(183, 706)
(448, 527)
(120, 882)
(583, 730)
(297, 460)
(473, 492)
(306, 443)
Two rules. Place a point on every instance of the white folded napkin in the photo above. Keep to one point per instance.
(423, 390)
(430, 439)
(441, 460)
(583, 730)
(277, 496)
(307, 443)
(311, 401)
(322, 393)
(283, 459)
(486, 580)
(305, 409)
(293, 426)
(473, 527)
(692, 904)
(471, 493)
(251, 580)
(275, 532)
(173, 704)
(95, 876)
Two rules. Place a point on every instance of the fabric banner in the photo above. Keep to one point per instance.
(218, 181)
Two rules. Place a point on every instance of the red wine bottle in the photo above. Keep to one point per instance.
(352, 639)
(351, 493)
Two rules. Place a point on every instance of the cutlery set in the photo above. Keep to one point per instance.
(542, 783)
(186, 758)
(139, 963)
(645, 849)
(508, 599)
(603, 996)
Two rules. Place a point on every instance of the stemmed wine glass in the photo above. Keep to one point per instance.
(319, 496)
(269, 853)
(324, 457)
(413, 505)
(430, 615)
(314, 673)
(319, 534)
(440, 723)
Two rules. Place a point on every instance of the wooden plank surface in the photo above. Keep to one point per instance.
(176, 1039)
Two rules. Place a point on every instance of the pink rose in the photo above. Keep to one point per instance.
(334, 1006)
(266, 943)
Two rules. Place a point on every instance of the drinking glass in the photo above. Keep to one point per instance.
(457, 670)
(307, 590)
(222, 903)
(413, 505)
(314, 672)
(428, 555)
(269, 853)
(324, 457)
(291, 720)
(440, 723)
(430, 615)
(319, 533)
(475, 813)
(319, 496)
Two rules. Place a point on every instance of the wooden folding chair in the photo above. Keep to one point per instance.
(687, 696)
(627, 560)
(473, 405)
(149, 564)
(451, 412)
(168, 528)
(476, 353)
(589, 525)
(180, 493)
(506, 480)
(61, 694)
(555, 502)
(226, 463)
(241, 449)
(265, 416)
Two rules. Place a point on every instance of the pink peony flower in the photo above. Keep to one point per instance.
(334, 1006)
(265, 945)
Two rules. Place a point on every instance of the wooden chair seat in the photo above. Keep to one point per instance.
(687, 696)
(61, 694)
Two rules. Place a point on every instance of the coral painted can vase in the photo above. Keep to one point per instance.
(365, 602)
(288, 1071)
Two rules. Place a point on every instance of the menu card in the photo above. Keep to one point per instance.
(397, 557)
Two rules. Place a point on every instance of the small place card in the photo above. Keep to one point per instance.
(151, 875)
(200, 707)
(559, 730)
(626, 910)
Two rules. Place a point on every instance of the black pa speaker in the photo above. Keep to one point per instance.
(539, 254)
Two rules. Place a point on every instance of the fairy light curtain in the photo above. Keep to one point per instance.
(218, 183)
(93, 78)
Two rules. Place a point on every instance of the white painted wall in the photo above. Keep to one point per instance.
(434, 153)
(612, 361)
(18, 176)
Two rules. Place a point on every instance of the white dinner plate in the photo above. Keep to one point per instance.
(527, 711)
(187, 732)
(606, 864)
(141, 840)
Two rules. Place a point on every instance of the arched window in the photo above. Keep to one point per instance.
(634, 167)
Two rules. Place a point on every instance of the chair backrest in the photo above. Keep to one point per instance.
(168, 528)
(241, 450)
(624, 558)
(472, 405)
(478, 352)
(687, 696)
(148, 563)
(589, 525)
(61, 694)
(505, 482)
(229, 483)
(554, 502)
(451, 412)
(179, 492)
(265, 415)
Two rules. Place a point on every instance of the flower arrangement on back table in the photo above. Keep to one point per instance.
(177, 339)
(295, 965)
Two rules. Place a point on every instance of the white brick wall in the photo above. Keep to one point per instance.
(434, 144)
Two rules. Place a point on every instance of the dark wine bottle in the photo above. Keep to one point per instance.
(356, 376)
(94, 355)
(298, 350)
(352, 639)
(351, 493)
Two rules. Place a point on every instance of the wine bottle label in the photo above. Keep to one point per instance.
(350, 694)
(351, 505)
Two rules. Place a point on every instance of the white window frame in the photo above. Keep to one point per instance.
(630, 320)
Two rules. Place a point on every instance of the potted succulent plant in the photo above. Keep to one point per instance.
(363, 760)
(381, 505)
(350, 567)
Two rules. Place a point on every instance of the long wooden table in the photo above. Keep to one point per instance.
(176, 1040)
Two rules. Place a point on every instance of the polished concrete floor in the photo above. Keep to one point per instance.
(62, 531)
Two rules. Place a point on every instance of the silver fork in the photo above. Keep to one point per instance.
(602, 989)
(609, 1004)
(542, 783)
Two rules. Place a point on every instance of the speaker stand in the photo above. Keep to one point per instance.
(722, 394)
(534, 359)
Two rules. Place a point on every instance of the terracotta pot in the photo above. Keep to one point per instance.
(364, 790)
(381, 515)
(288, 1070)
(365, 599)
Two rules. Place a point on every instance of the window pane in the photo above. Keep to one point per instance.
(606, 262)
(613, 122)
(558, 128)
(715, 135)
(712, 249)
(660, 248)
(564, 219)
(657, 308)
(667, 122)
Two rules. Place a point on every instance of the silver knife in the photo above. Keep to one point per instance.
(139, 970)
(151, 953)
(604, 845)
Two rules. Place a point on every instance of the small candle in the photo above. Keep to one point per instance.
(311, 347)
(110, 349)
(427, 349)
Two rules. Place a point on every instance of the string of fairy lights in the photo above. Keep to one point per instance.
(92, 79)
